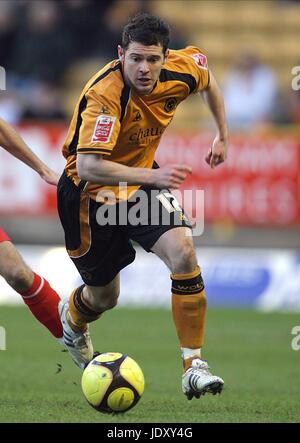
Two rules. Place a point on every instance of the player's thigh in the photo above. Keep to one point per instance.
(176, 248)
(165, 230)
(12, 265)
(163, 224)
(98, 251)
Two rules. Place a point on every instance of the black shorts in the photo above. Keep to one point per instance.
(100, 251)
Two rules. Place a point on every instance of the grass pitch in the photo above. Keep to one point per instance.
(251, 351)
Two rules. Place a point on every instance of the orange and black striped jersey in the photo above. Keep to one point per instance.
(112, 120)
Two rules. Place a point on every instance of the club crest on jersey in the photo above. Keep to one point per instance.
(103, 128)
(137, 117)
(170, 104)
(200, 59)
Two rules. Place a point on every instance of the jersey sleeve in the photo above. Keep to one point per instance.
(100, 125)
(199, 67)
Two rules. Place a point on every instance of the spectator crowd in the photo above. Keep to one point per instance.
(43, 42)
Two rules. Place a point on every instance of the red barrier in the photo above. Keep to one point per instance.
(22, 192)
(258, 184)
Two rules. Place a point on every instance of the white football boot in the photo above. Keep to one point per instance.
(198, 380)
(78, 344)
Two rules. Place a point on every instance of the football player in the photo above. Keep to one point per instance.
(115, 131)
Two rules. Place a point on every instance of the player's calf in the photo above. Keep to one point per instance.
(37, 294)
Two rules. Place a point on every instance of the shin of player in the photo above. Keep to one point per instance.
(189, 312)
(175, 248)
(87, 303)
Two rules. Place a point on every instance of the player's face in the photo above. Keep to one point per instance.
(142, 65)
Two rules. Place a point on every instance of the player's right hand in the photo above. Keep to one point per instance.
(170, 176)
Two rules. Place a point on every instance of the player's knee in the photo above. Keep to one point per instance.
(103, 305)
(103, 301)
(111, 303)
(184, 260)
(19, 278)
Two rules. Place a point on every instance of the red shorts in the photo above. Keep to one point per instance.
(3, 236)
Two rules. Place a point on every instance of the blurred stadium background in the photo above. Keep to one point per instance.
(250, 248)
(251, 238)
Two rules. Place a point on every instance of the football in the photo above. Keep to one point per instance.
(112, 383)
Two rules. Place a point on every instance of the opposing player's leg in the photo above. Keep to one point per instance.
(86, 304)
(177, 251)
(36, 292)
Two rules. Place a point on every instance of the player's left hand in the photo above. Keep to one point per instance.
(217, 153)
(49, 176)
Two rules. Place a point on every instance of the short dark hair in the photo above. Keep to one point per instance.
(146, 29)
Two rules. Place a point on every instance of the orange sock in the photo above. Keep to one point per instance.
(79, 312)
(189, 308)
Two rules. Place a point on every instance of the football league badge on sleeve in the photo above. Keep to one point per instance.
(103, 128)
